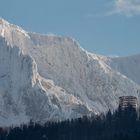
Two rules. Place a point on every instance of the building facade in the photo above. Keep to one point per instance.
(125, 101)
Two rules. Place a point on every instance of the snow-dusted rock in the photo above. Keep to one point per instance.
(129, 66)
(48, 77)
(24, 95)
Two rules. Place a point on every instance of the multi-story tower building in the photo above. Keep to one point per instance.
(125, 101)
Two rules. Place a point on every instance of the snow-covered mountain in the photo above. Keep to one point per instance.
(48, 77)
(129, 66)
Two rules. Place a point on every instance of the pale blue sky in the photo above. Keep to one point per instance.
(108, 27)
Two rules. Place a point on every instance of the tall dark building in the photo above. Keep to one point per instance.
(125, 101)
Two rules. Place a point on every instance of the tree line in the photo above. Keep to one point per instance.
(119, 125)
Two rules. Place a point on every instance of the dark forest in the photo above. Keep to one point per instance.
(119, 125)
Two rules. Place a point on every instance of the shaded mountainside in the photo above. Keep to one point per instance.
(48, 77)
(129, 66)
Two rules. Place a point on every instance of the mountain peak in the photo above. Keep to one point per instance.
(7, 28)
(3, 22)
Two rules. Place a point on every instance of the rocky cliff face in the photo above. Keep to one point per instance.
(46, 78)
(25, 95)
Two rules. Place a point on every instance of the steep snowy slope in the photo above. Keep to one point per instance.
(85, 82)
(24, 95)
(129, 66)
(80, 73)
